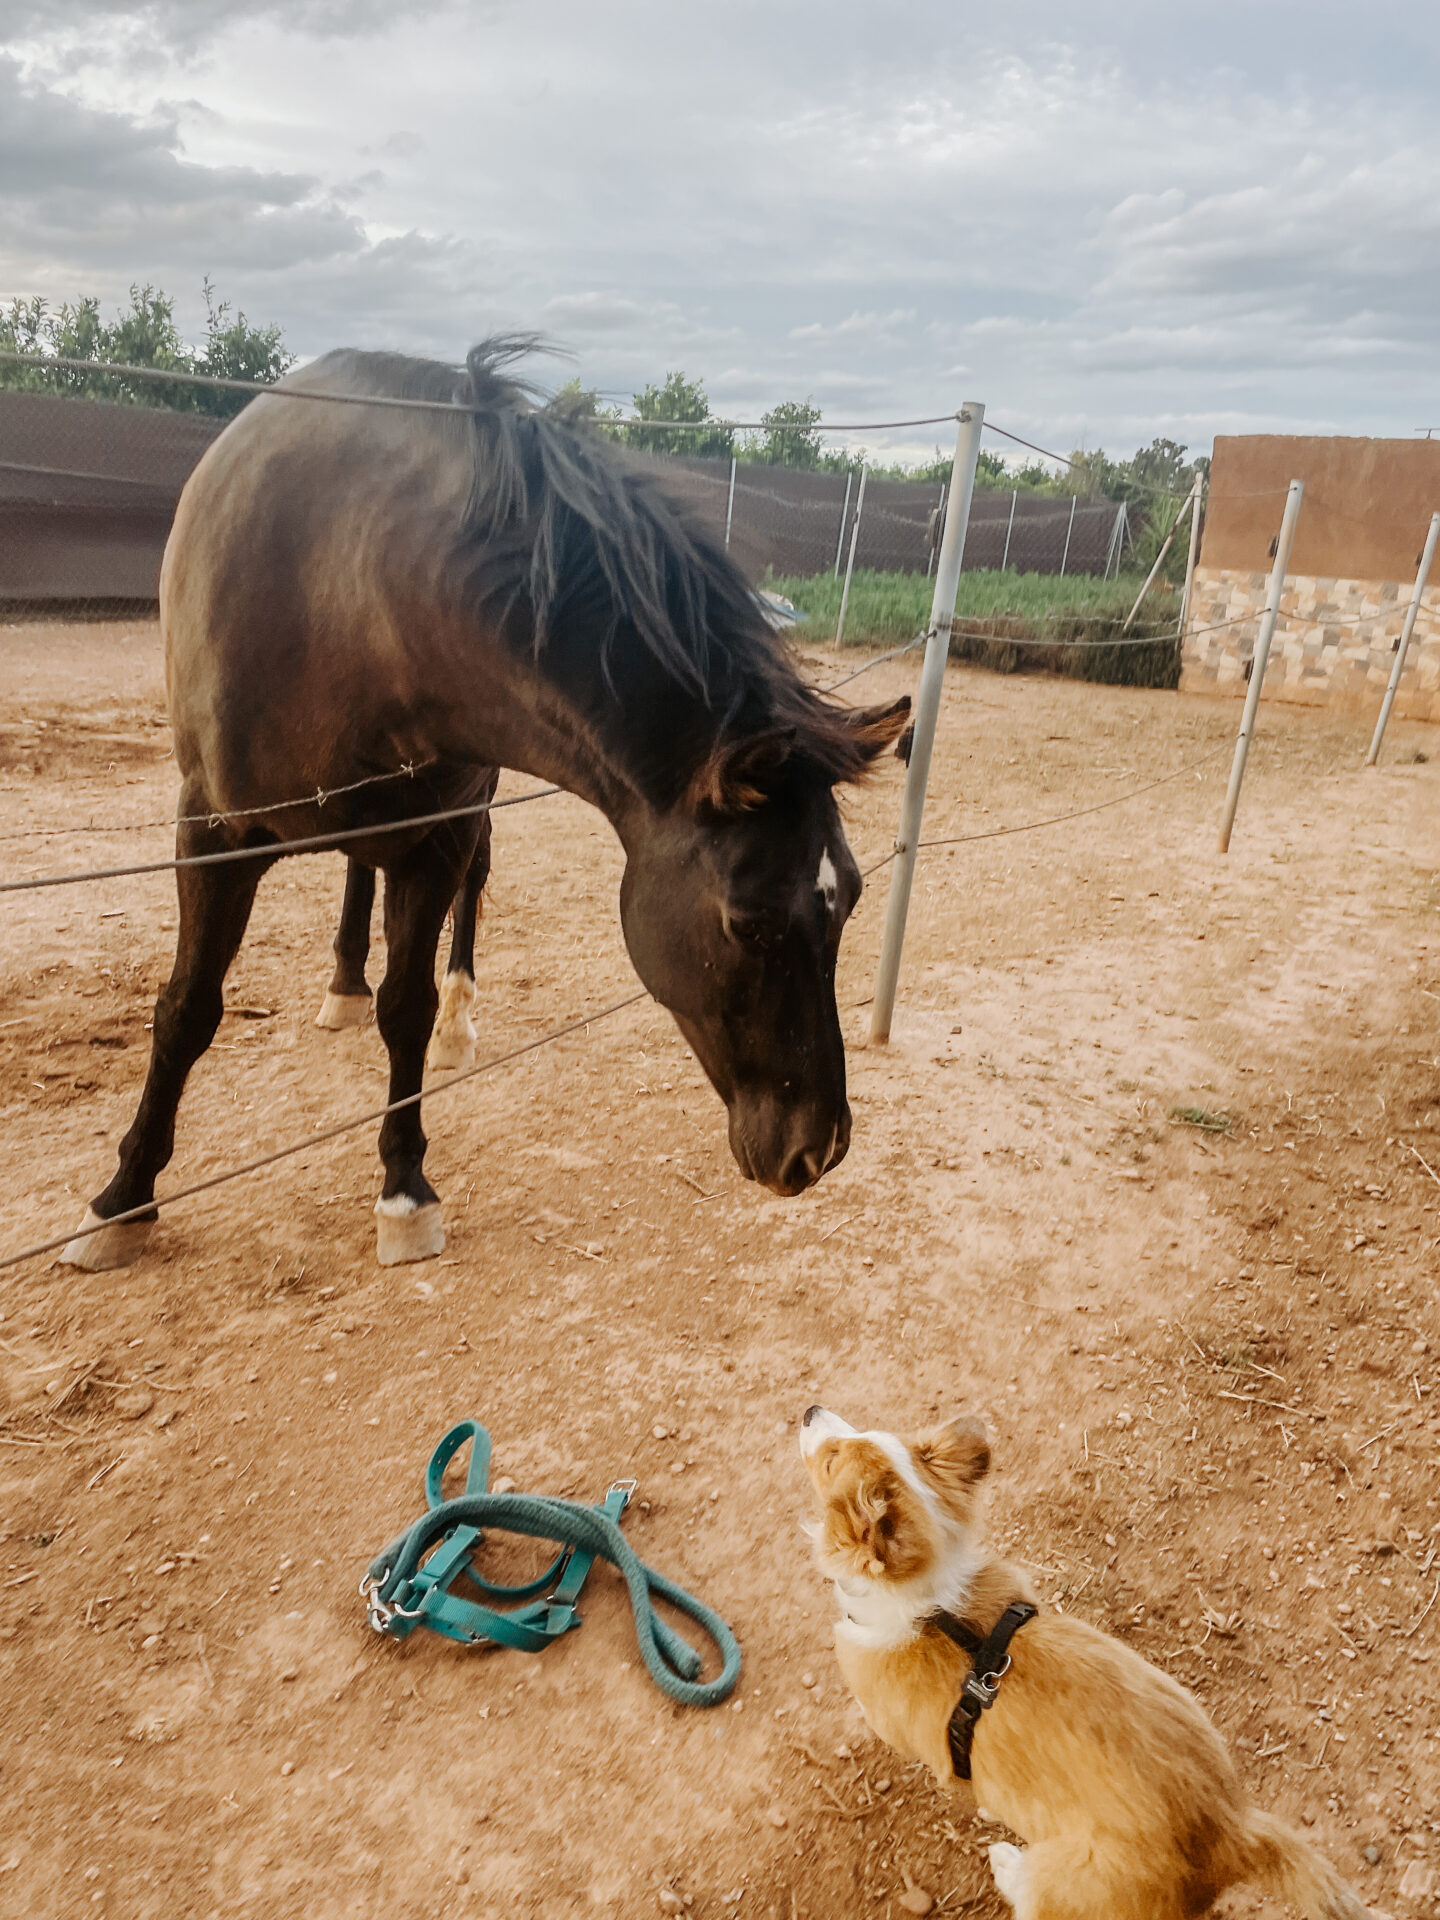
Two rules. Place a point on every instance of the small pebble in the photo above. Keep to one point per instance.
(291, 1673)
(330, 1377)
(807, 1679)
(504, 1484)
(882, 1786)
(660, 1432)
(776, 1818)
(670, 1901)
(134, 1403)
(1372, 1854)
(916, 1900)
(287, 1768)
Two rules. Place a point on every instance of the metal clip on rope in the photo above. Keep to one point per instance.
(403, 1589)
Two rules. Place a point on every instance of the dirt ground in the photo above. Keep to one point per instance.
(1207, 1357)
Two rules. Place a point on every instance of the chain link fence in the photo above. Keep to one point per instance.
(88, 491)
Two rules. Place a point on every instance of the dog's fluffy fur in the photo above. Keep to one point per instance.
(1108, 1769)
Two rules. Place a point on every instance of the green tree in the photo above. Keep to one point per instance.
(143, 335)
(680, 398)
(791, 436)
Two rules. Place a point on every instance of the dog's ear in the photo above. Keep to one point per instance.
(878, 1527)
(954, 1458)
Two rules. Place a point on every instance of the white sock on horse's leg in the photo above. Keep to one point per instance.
(341, 1010)
(406, 1232)
(452, 1044)
(119, 1243)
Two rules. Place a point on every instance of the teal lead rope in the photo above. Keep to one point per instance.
(404, 1590)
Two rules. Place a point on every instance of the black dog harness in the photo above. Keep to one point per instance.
(990, 1662)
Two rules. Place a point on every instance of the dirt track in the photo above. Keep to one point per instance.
(1207, 1358)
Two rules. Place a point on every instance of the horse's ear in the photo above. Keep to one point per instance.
(739, 774)
(873, 729)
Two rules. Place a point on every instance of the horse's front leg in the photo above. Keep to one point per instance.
(215, 905)
(452, 1045)
(417, 888)
(347, 999)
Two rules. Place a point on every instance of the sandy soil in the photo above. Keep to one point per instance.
(1207, 1358)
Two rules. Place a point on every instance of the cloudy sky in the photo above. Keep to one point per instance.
(1107, 221)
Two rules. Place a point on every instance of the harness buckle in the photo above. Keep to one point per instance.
(377, 1611)
(627, 1487)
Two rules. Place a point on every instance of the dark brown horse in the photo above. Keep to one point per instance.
(350, 589)
(348, 1002)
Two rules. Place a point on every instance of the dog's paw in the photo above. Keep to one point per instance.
(1007, 1865)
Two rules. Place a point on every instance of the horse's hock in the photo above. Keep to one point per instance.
(1358, 540)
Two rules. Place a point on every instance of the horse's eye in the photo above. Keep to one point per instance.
(749, 929)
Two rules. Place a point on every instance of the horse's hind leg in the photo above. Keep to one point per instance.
(452, 1045)
(416, 891)
(215, 905)
(347, 999)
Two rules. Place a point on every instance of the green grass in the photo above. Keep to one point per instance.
(886, 608)
(1201, 1117)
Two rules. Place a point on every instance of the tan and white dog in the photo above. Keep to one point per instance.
(1106, 1767)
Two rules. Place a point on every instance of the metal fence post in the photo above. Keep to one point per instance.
(1261, 656)
(850, 562)
(927, 711)
(1411, 614)
(1069, 529)
(1009, 529)
(938, 521)
(1160, 557)
(1192, 555)
(844, 516)
(730, 505)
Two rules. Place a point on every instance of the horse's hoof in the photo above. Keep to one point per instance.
(406, 1232)
(119, 1243)
(452, 1044)
(341, 1010)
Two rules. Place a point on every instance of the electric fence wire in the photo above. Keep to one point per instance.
(273, 849)
(319, 1138)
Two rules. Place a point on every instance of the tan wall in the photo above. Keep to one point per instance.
(1366, 508)
(1333, 646)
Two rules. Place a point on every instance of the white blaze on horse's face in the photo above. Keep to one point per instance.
(827, 881)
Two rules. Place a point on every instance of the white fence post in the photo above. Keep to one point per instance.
(1160, 557)
(1192, 555)
(844, 516)
(1069, 529)
(730, 506)
(1112, 552)
(850, 562)
(939, 520)
(1261, 656)
(1411, 614)
(927, 711)
(1009, 529)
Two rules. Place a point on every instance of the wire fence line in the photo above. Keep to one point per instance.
(1053, 820)
(273, 849)
(318, 1139)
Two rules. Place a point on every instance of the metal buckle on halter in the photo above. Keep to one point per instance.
(627, 1487)
(379, 1612)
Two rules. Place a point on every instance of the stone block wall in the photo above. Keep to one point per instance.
(1334, 642)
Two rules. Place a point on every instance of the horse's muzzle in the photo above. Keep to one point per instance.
(793, 1152)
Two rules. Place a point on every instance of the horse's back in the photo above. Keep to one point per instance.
(301, 589)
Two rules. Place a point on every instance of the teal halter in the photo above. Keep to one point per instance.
(401, 1593)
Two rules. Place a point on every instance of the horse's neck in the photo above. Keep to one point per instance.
(627, 743)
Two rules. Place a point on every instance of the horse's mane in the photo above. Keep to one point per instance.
(561, 520)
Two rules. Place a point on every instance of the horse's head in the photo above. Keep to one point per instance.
(733, 904)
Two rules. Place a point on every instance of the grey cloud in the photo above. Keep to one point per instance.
(1109, 238)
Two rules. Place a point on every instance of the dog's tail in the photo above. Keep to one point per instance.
(1285, 1864)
